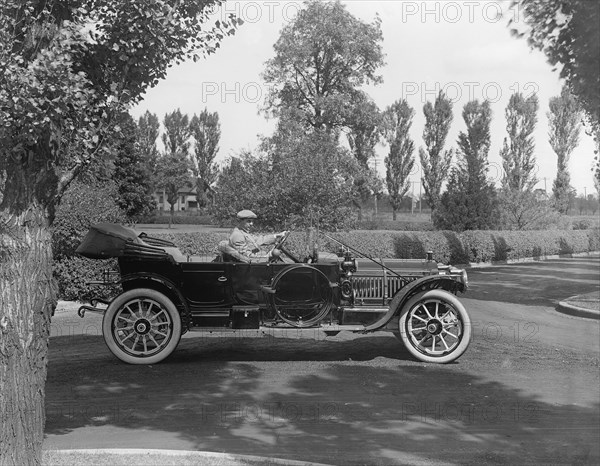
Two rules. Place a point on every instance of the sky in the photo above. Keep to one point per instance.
(461, 47)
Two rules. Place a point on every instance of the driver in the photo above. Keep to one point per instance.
(245, 243)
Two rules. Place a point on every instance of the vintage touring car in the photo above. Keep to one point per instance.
(160, 294)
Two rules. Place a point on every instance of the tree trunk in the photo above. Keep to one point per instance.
(394, 214)
(27, 298)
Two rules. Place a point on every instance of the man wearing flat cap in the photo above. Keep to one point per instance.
(245, 243)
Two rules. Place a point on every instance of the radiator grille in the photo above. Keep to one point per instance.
(381, 287)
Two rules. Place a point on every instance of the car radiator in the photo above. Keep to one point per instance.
(379, 288)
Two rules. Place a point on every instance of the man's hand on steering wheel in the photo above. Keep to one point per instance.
(280, 238)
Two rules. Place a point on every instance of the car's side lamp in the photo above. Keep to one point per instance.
(429, 255)
(349, 265)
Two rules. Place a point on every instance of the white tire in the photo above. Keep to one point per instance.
(435, 327)
(141, 326)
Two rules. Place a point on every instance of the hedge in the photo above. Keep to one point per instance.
(447, 246)
(73, 275)
(192, 219)
(470, 247)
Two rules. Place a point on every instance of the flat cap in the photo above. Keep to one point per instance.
(245, 214)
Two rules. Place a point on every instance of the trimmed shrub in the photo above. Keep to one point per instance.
(83, 205)
(585, 223)
(188, 219)
(594, 239)
(399, 225)
(74, 273)
(204, 243)
(470, 246)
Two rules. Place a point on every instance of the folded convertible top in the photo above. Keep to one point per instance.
(105, 240)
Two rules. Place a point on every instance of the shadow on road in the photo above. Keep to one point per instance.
(379, 408)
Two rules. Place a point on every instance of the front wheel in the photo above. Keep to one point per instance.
(435, 327)
(141, 326)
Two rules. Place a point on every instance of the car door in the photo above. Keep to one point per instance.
(207, 284)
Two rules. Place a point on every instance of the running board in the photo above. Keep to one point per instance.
(324, 328)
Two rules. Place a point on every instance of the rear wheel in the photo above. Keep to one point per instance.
(435, 327)
(141, 326)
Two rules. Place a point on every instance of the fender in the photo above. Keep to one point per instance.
(166, 283)
(407, 292)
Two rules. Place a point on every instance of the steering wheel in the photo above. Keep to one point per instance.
(278, 244)
(281, 240)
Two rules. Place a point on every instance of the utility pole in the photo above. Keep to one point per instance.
(376, 174)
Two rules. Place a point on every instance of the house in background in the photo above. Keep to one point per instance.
(186, 200)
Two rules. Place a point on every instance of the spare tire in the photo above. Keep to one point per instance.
(302, 295)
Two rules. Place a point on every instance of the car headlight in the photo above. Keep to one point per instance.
(464, 278)
(346, 289)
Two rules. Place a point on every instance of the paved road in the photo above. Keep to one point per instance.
(525, 392)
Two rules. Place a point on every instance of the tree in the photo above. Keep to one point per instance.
(400, 160)
(172, 174)
(305, 180)
(206, 131)
(322, 58)
(564, 121)
(132, 172)
(517, 153)
(364, 132)
(148, 128)
(567, 32)
(592, 203)
(470, 202)
(62, 81)
(435, 162)
(176, 137)
(524, 210)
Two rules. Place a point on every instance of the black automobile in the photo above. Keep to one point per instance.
(160, 294)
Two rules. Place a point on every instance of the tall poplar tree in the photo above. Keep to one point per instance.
(148, 130)
(564, 120)
(435, 161)
(517, 153)
(176, 137)
(206, 133)
(400, 159)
